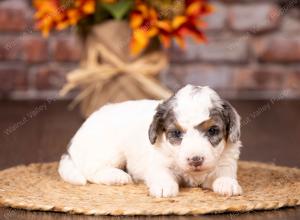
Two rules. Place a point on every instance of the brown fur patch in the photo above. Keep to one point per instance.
(170, 126)
(216, 121)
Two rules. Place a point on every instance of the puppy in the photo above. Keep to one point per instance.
(191, 139)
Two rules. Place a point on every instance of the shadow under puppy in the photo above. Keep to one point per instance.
(191, 139)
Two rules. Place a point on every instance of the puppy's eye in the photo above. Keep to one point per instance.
(213, 131)
(175, 134)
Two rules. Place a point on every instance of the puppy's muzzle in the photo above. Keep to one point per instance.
(195, 161)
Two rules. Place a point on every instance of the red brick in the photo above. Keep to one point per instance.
(262, 78)
(50, 76)
(235, 50)
(290, 24)
(34, 49)
(14, 15)
(218, 77)
(12, 78)
(216, 21)
(10, 48)
(278, 48)
(293, 80)
(66, 48)
(226, 78)
(254, 18)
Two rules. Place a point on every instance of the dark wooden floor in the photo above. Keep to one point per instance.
(39, 132)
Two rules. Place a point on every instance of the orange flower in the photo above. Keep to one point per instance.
(147, 24)
(109, 1)
(143, 21)
(60, 14)
(190, 24)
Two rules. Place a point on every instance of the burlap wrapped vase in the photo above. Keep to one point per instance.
(108, 73)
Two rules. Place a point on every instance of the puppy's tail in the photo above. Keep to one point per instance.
(68, 171)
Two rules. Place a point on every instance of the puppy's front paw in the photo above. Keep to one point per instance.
(164, 189)
(227, 186)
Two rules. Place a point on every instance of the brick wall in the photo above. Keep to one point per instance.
(253, 52)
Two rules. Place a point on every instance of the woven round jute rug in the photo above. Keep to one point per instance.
(39, 187)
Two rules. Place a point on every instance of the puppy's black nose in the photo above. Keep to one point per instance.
(196, 161)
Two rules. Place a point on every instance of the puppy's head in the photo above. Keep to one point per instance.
(193, 127)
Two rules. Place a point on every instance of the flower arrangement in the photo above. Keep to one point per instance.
(122, 53)
(149, 19)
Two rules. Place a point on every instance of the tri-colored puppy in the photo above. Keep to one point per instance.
(191, 139)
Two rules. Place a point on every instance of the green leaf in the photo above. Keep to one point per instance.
(119, 9)
(100, 14)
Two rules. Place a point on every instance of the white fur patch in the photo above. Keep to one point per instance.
(193, 107)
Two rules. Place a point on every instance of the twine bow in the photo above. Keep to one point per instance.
(115, 80)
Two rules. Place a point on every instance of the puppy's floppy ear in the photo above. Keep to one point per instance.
(233, 122)
(156, 127)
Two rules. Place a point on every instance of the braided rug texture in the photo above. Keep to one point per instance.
(38, 187)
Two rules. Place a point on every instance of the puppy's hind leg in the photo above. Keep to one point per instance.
(109, 169)
(68, 171)
(110, 176)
